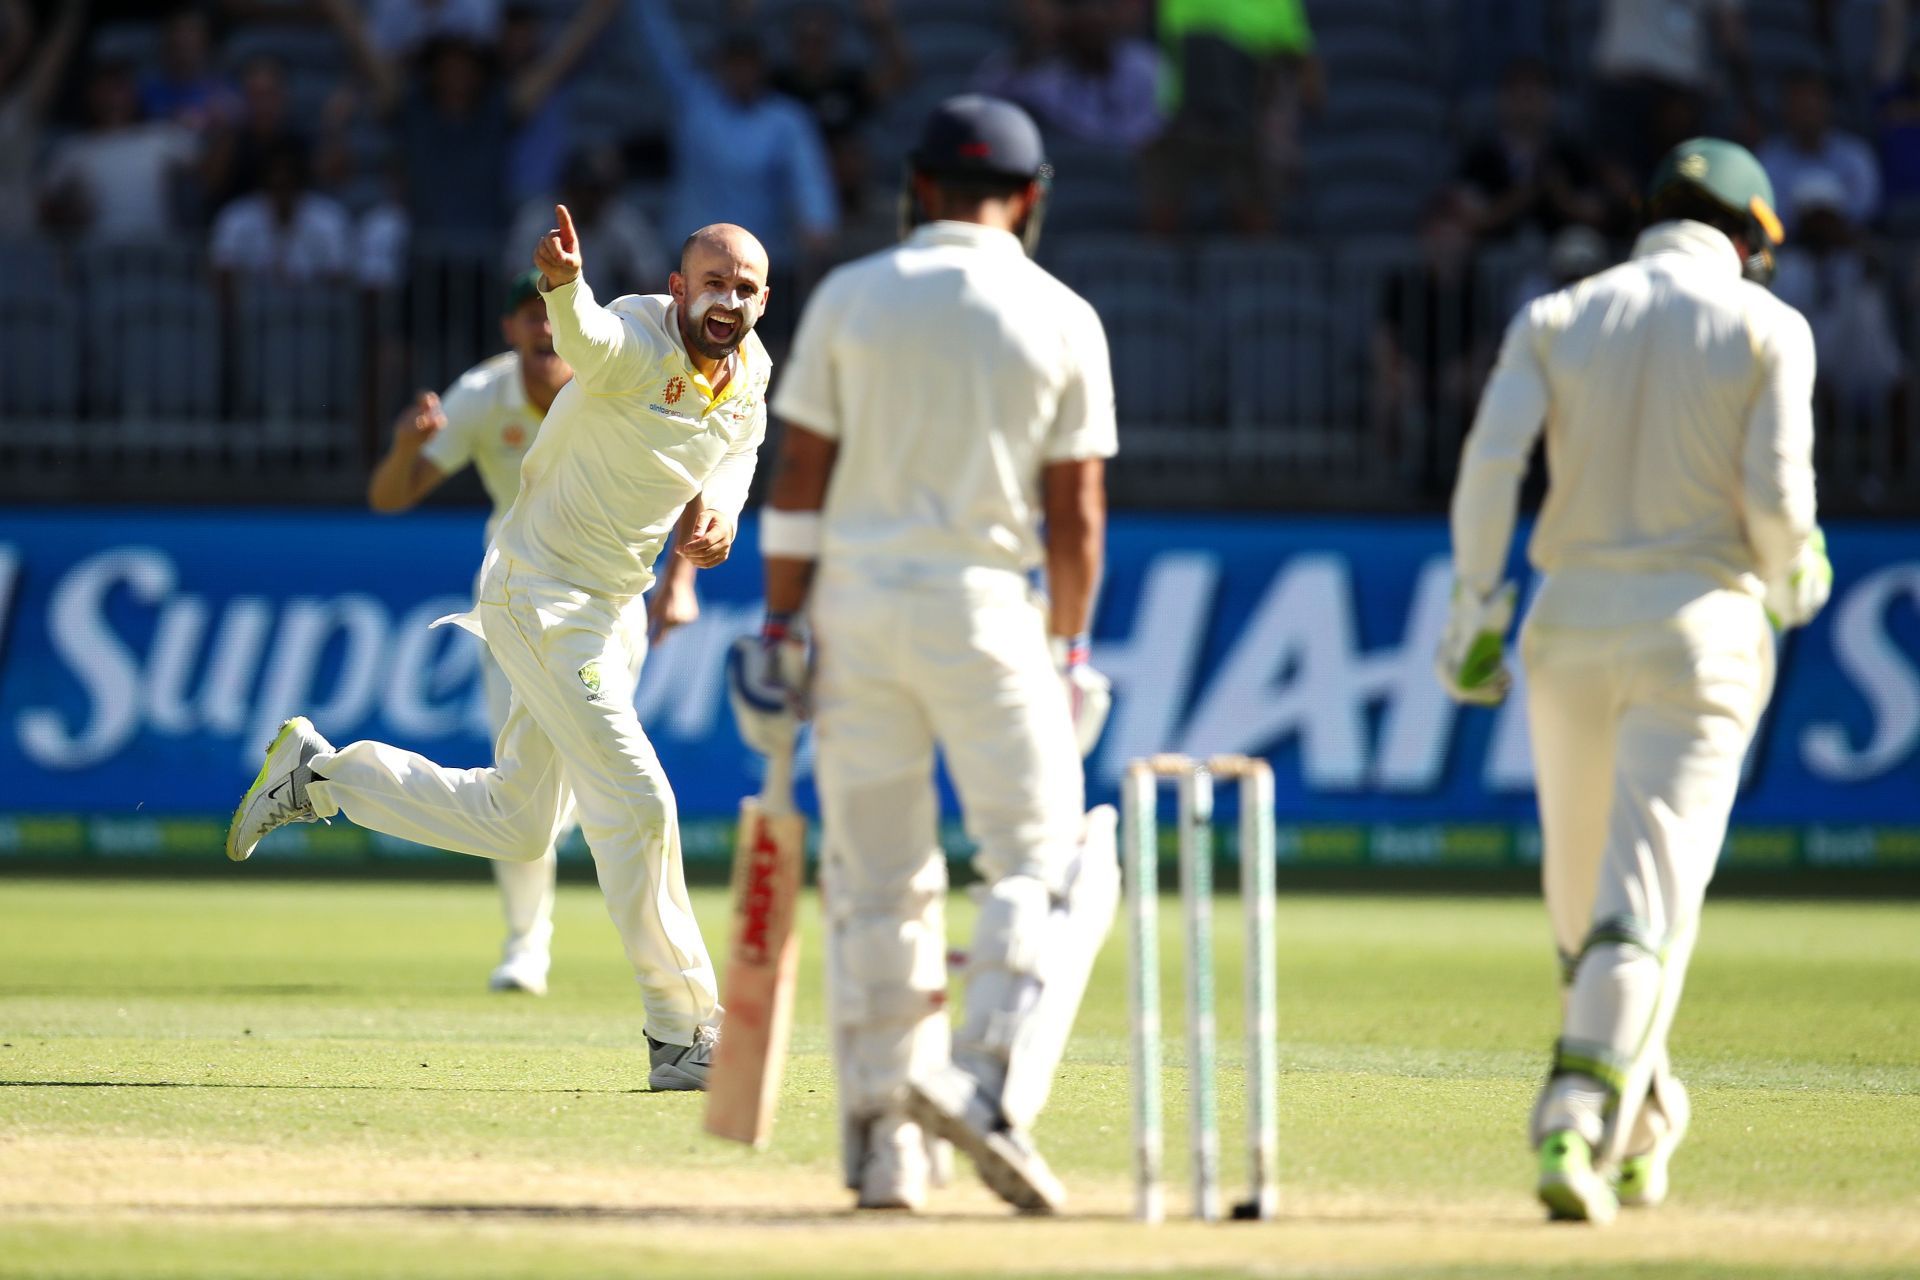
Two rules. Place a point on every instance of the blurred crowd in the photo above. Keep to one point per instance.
(337, 140)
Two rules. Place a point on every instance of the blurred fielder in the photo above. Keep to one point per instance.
(488, 418)
(944, 399)
(1677, 401)
(667, 404)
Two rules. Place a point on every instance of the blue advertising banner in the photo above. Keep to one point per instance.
(148, 656)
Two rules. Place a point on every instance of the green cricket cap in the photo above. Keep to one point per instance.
(522, 287)
(1726, 173)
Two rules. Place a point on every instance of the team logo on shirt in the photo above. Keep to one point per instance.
(590, 677)
(676, 387)
(514, 436)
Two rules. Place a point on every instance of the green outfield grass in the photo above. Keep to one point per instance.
(234, 1078)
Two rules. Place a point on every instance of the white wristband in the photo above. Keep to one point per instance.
(790, 535)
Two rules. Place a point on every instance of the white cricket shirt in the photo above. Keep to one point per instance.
(1677, 399)
(629, 442)
(951, 369)
(490, 424)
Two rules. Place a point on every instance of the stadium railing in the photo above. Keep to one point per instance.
(1249, 375)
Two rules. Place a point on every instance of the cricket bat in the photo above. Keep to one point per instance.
(763, 961)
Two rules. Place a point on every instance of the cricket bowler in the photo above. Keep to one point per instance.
(1676, 396)
(944, 399)
(488, 419)
(667, 404)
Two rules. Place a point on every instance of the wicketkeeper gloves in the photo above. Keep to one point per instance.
(1472, 662)
(1793, 601)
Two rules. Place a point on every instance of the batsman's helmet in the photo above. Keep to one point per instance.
(1724, 175)
(974, 137)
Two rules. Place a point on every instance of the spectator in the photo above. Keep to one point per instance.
(1825, 275)
(842, 94)
(30, 74)
(1098, 85)
(113, 180)
(237, 154)
(1527, 177)
(1896, 116)
(1809, 143)
(401, 28)
(284, 232)
(742, 153)
(186, 89)
(455, 125)
(627, 255)
(1655, 74)
(541, 99)
(1241, 72)
(1427, 354)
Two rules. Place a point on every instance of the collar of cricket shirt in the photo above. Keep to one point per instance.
(736, 364)
(1695, 240)
(967, 233)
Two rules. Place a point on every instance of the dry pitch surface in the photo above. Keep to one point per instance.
(234, 1078)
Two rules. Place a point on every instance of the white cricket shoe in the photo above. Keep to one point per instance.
(682, 1067)
(952, 1104)
(278, 795)
(895, 1170)
(523, 970)
(1643, 1178)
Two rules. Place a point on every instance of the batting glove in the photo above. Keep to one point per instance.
(1472, 662)
(1089, 694)
(1793, 601)
(767, 683)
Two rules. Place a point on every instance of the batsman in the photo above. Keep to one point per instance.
(943, 399)
(1676, 395)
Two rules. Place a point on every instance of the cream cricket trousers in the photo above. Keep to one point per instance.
(1639, 735)
(571, 744)
(906, 665)
(526, 888)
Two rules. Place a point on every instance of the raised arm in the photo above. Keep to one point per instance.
(378, 70)
(816, 208)
(660, 36)
(50, 59)
(408, 474)
(1513, 409)
(603, 349)
(532, 86)
(1777, 498)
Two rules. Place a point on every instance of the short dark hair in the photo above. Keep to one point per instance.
(1681, 201)
(975, 188)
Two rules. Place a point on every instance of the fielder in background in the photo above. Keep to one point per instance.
(1677, 402)
(944, 399)
(666, 405)
(488, 418)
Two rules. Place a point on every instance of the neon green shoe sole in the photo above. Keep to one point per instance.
(275, 798)
(1569, 1187)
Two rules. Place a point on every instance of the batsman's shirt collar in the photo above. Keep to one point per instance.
(970, 234)
(1696, 240)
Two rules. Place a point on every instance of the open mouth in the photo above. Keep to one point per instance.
(720, 328)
